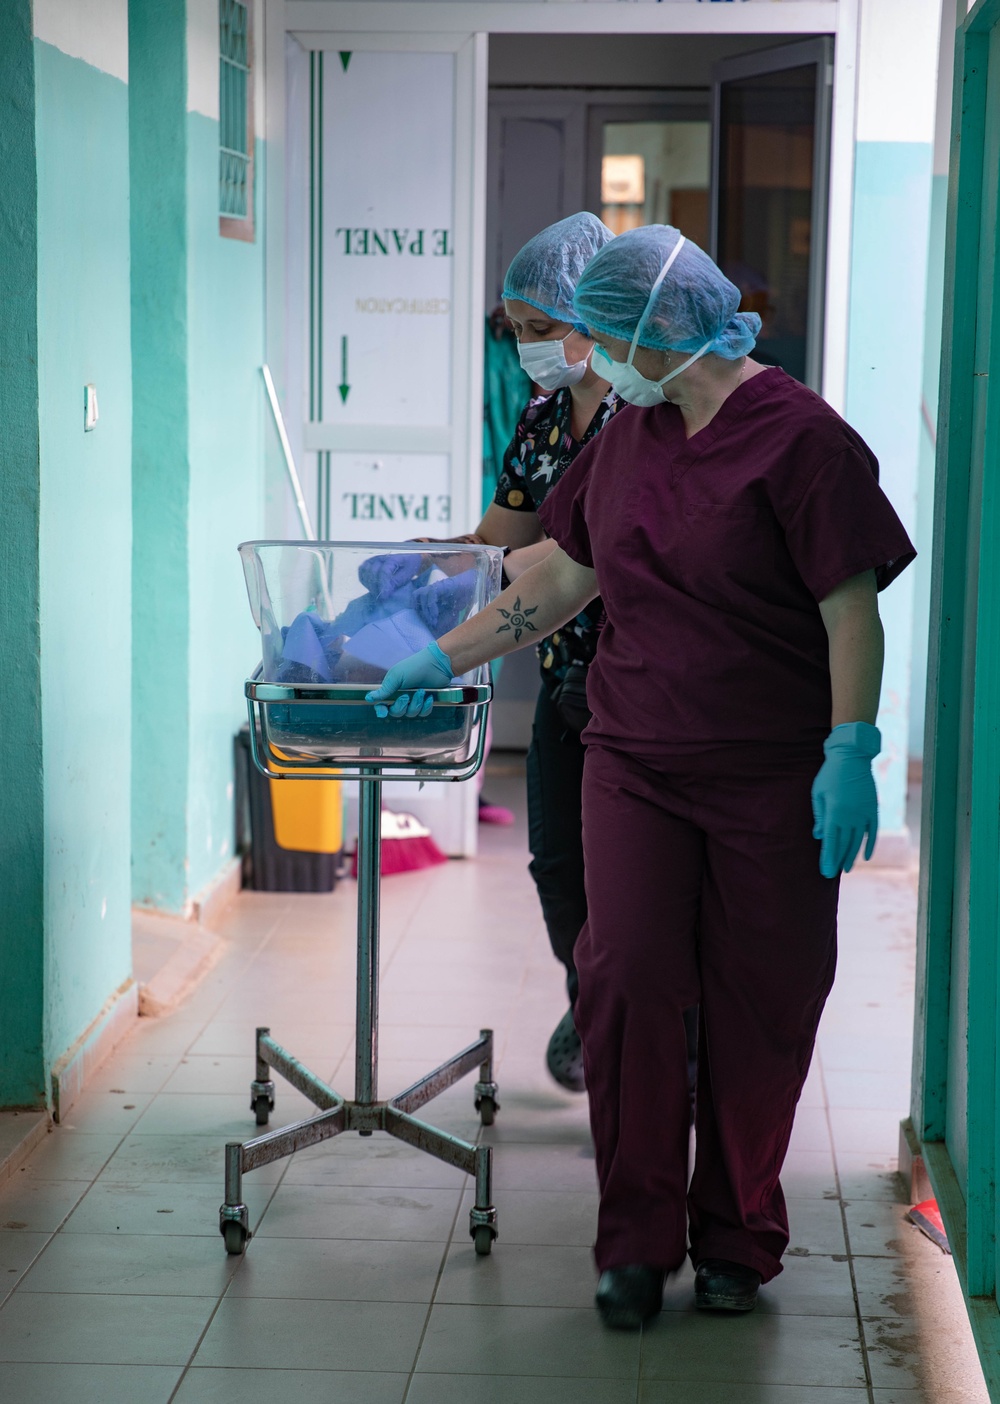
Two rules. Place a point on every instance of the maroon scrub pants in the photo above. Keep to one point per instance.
(703, 886)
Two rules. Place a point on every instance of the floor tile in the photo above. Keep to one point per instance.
(224, 1386)
(341, 1211)
(88, 1384)
(183, 1210)
(866, 1090)
(809, 1175)
(108, 1112)
(226, 1115)
(519, 1274)
(340, 1269)
(39, 1206)
(563, 1218)
(520, 1165)
(134, 1070)
(815, 1226)
(884, 1287)
(379, 1160)
(811, 1131)
(670, 1392)
(519, 1389)
(811, 1286)
(894, 1353)
(188, 1159)
(102, 1329)
(255, 1333)
(761, 1348)
(866, 1175)
(488, 1340)
(146, 1264)
(867, 1129)
(68, 1154)
(877, 1229)
(18, 1250)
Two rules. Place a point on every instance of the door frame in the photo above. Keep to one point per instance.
(483, 17)
(963, 701)
(819, 51)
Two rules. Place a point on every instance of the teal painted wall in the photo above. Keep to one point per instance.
(22, 1071)
(884, 380)
(85, 536)
(160, 467)
(198, 336)
(226, 399)
(925, 478)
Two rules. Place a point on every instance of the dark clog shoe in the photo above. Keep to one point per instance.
(723, 1286)
(628, 1296)
(564, 1055)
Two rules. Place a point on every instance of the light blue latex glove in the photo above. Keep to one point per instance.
(845, 806)
(428, 668)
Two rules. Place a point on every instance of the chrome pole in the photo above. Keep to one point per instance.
(369, 870)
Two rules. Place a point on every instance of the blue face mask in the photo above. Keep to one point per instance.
(546, 363)
(625, 380)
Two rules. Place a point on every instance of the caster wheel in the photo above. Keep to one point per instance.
(482, 1237)
(235, 1237)
(487, 1115)
(262, 1110)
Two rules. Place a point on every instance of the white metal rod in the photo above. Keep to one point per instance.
(286, 449)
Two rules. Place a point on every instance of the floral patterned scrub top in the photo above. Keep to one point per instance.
(536, 458)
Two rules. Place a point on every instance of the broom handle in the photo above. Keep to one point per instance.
(369, 872)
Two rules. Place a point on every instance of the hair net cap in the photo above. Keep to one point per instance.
(696, 303)
(546, 271)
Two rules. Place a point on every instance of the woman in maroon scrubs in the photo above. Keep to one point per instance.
(735, 529)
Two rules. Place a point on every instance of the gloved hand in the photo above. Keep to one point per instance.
(845, 806)
(428, 668)
(384, 575)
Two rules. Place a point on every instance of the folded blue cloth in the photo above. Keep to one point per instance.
(385, 642)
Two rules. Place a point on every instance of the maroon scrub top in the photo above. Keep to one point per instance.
(712, 554)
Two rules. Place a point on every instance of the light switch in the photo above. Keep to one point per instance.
(89, 407)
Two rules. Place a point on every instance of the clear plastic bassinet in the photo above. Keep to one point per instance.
(334, 617)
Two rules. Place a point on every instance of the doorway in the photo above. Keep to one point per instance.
(725, 138)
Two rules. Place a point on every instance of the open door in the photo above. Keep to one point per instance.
(770, 187)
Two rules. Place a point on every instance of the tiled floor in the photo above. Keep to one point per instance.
(360, 1285)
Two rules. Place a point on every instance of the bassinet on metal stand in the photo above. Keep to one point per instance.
(276, 712)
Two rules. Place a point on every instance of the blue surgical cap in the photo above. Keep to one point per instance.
(695, 303)
(546, 271)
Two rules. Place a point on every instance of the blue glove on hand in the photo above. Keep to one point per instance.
(845, 806)
(428, 668)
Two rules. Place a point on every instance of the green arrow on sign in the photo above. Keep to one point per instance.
(343, 387)
(345, 58)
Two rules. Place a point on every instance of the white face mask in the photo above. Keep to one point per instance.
(546, 363)
(625, 380)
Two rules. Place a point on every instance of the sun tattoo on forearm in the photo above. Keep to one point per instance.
(518, 619)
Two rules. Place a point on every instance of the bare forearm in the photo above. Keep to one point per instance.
(857, 650)
(544, 597)
(517, 562)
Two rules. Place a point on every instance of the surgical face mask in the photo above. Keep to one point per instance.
(625, 380)
(546, 363)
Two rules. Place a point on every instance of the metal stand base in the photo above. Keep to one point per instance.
(365, 1113)
(394, 1116)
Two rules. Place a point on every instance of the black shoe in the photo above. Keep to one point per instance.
(628, 1296)
(723, 1286)
(564, 1056)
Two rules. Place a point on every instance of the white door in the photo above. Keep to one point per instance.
(384, 251)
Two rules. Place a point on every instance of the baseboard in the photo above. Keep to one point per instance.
(912, 1166)
(210, 904)
(20, 1133)
(79, 1063)
(194, 956)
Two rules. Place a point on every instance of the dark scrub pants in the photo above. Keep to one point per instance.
(555, 781)
(703, 884)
